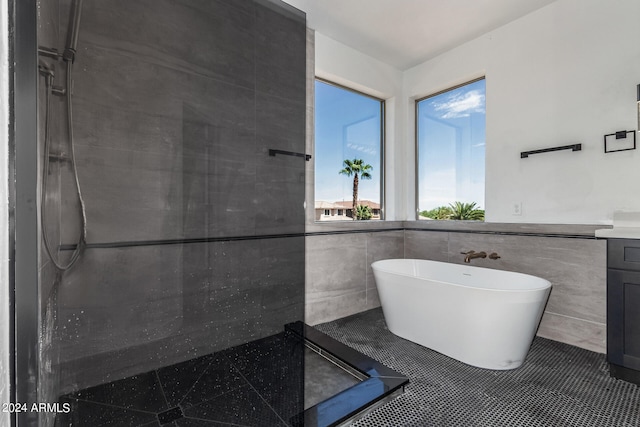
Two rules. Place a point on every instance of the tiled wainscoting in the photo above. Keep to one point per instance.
(340, 281)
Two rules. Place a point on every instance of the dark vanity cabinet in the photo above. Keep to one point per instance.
(623, 308)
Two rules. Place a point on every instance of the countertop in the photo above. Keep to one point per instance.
(619, 233)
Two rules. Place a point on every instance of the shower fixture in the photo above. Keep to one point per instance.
(69, 53)
(68, 56)
(49, 74)
(45, 70)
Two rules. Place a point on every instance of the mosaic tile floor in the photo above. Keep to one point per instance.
(558, 385)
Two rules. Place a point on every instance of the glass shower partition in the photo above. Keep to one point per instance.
(194, 257)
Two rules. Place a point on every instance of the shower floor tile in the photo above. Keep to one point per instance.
(224, 409)
(140, 392)
(179, 379)
(263, 383)
(257, 384)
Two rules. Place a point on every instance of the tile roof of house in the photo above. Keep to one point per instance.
(349, 204)
(321, 204)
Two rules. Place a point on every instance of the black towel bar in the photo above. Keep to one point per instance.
(572, 147)
(273, 152)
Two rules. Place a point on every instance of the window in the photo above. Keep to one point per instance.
(348, 144)
(450, 153)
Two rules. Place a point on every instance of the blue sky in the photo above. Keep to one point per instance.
(451, 147)
(347, 127)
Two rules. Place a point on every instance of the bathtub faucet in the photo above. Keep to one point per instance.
(473, 254)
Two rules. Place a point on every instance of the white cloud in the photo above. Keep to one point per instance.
(461, 105)
(362, 148)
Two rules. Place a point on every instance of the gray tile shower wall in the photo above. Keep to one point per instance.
(179, 111)
(174, 302)
(176, 104)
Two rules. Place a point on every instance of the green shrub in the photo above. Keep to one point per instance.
(456, 211)
(363, 212)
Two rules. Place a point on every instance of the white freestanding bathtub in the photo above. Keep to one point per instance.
(480, 316)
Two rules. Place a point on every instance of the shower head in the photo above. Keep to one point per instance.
(74, 28)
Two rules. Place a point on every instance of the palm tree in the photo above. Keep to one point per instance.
(359, 169)
(466, 211)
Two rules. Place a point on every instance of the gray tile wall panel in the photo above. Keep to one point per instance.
(339, 276)
(212, 38)
(431, 245)
(280, 38)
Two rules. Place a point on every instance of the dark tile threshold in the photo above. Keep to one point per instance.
(254, 384)
(378, 381)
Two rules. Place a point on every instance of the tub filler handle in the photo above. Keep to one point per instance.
(494, 255)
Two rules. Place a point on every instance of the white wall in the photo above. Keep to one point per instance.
(4, 218)
(341, 64)
(564, 74)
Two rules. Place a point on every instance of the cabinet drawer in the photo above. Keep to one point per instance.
(623, 254)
